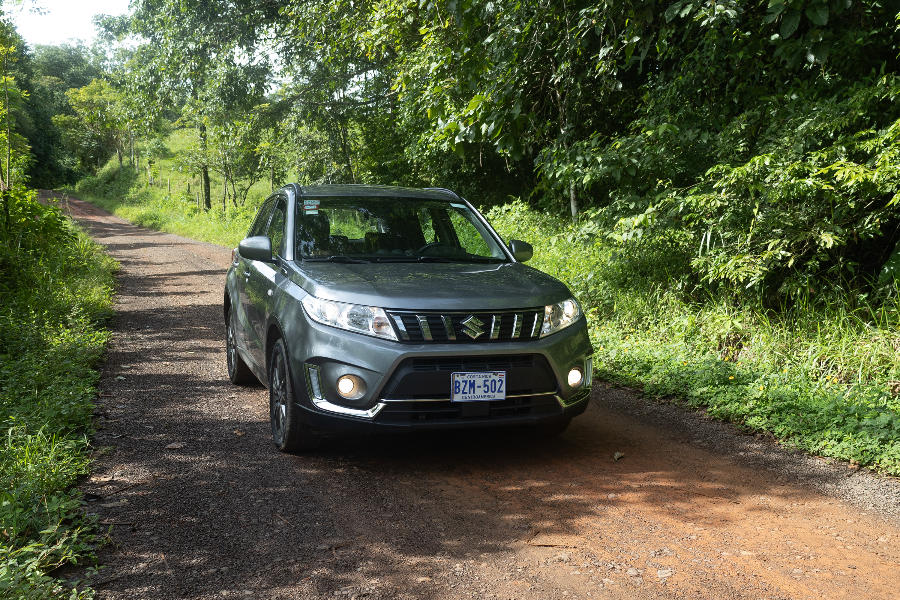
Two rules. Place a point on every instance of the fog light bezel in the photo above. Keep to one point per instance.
(356, 392)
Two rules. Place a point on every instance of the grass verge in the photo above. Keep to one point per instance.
(54, 301)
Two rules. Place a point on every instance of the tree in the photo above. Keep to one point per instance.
(204, 59)
(98, 128)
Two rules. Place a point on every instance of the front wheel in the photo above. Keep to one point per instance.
(289, 433)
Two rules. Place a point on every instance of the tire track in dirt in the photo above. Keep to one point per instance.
(693, 510)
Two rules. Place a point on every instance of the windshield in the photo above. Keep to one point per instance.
(379, 229)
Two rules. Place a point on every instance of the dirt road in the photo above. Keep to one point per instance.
(202, 505)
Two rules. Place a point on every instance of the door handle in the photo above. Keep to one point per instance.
(270, 293)
(246, 273)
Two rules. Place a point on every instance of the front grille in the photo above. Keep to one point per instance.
(404, 412)
(466, 328)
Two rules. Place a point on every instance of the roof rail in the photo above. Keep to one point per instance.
(440, 189)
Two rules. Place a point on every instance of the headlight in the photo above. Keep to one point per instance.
(367, 320)
(560, 315)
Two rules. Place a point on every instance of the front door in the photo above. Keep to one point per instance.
(260, 286)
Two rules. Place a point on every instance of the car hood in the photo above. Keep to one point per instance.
(432, 286)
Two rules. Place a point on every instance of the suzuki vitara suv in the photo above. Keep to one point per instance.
(375, 309)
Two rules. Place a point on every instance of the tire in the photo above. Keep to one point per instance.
(289, 432)
(550, 430)
(238, 371)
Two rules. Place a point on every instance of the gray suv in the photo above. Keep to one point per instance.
(375, 308)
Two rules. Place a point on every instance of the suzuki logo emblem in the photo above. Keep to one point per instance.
(473, 327)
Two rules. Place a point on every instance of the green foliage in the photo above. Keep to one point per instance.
(97, 127)
(46, 74)
(72, 63)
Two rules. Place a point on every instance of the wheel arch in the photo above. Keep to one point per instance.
(226, 304)
(273, 334)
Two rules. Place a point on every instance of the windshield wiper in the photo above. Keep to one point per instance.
(411, 259)
(337, 258)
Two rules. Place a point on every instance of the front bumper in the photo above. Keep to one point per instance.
(326, 422)
(408, 384)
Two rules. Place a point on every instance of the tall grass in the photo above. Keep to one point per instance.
(54, 300)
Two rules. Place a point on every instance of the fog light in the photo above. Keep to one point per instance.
(351, 387)
(575, 377)
(345, 386)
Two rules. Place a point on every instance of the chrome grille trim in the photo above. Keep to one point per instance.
(404, 335)
(517, 326)
(495, 326)
(448, 326)
(536, 329)
(426, 328)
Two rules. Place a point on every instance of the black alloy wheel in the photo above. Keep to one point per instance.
(289, 433)
(238, 371)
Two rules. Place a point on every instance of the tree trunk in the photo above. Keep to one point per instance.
(204, 170)
(345, 146)
(119, 155)
(7, 182)
(131, 143)
(573, 202)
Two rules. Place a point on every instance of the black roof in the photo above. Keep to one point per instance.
(384, 191)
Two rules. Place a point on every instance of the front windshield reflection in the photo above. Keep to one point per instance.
(366, 229)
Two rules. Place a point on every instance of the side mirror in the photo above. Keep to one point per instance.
(258, 247)
(521, 251)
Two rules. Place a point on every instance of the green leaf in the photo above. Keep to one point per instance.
(891, 269)
(818, 53)
(818, 14)
(672, 11)
(789, 23)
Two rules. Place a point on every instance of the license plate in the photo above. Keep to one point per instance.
(473, 387)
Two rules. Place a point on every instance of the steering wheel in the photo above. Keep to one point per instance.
(432, 245)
